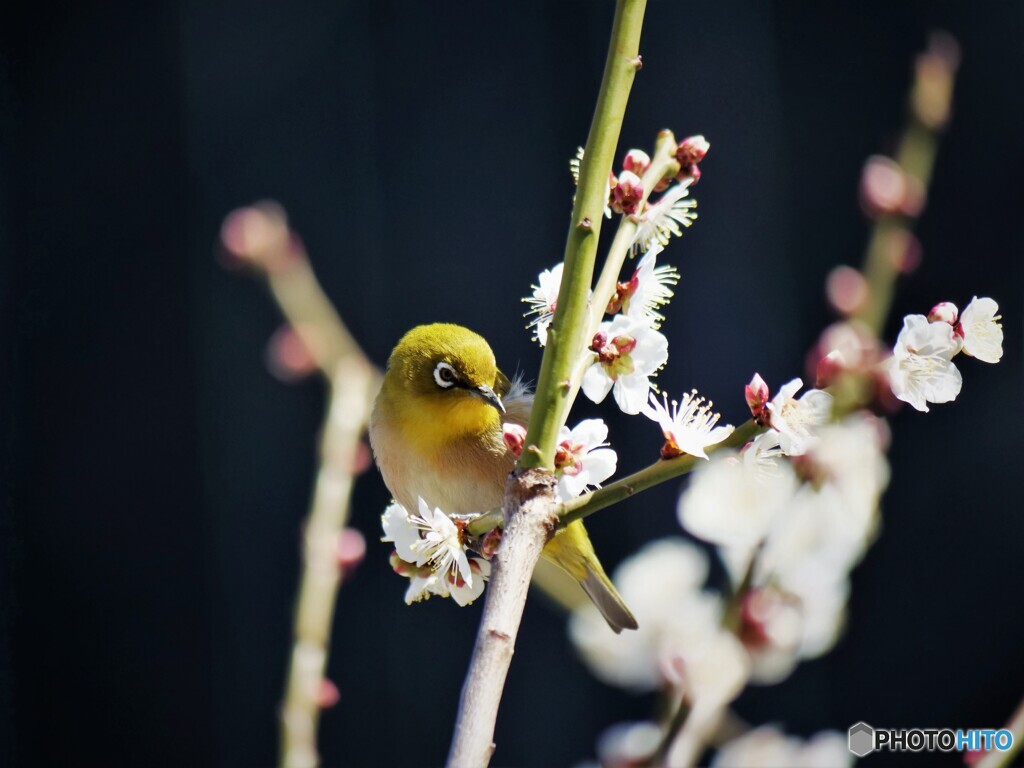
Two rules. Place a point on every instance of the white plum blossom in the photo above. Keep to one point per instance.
(665, 219)
(768, 747)
(431, 553)
(981, 331)
(583, 459)
(796, 419)
(465, 592)
(424, 582)
(543, 302)
(647, 290)
(680, 640)
(628, 354)
(688, 425)
(921, 370)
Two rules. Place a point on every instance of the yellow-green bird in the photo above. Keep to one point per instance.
(436, 433)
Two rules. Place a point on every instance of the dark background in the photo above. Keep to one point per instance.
(156, 476)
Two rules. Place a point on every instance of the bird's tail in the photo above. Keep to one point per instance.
(572, 551)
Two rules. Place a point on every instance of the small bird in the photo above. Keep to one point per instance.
(436, 433)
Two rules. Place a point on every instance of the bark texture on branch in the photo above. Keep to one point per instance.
(531, 516)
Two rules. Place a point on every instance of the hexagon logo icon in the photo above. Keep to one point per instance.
(862, 739)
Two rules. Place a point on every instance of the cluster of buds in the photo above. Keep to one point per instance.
(689, 153)
(626, 192)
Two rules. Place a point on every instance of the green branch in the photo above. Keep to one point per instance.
(613, 493)
(566, 336)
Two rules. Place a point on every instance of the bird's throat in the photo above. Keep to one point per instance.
(436, 425)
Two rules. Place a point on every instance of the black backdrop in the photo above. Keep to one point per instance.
(156, 475)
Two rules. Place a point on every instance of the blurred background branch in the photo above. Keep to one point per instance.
(260, 236)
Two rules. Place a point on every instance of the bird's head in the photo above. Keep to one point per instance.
(445, 376)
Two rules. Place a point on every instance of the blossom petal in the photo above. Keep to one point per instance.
(631, 392)
(596, 383)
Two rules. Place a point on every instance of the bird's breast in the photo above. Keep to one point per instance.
(460, 474)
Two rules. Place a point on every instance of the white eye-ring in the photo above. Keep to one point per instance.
(444, 375)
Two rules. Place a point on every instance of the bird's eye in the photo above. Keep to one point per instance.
(444, 375)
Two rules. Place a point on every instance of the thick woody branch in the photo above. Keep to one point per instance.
(530, 520)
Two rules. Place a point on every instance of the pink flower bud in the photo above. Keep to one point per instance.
(757, 395)
(328, 694)
(288, 357)
(514, 436)
(490, 543)
(637, 161)
(400, 566)
(691, 172)
(627, 193)
(259, 236)
(847, 290)
(351, 549)
(944, 312)
(829, 367)
(692, 150)
(886, 189)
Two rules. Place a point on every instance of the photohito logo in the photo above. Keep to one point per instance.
(864, 739)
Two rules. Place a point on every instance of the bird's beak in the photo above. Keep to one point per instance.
(489, 396)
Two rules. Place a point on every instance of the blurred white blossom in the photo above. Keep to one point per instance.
(625, 745)
(680, 640)
(628, 353)
(921, 370)
(733, 501)
(769, 747)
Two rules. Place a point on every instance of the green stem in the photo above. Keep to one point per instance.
(565, 339)
(915, 155)
(672, 729)
(655, 474)
(662, 165)
(613, 493)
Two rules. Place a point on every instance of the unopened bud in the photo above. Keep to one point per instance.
(886, 189)
(490, 543)
(944, 312)
(637, 161)
(351, 549)
(692, 150)
(400, 566)
(847, 290)
(259, 235)
(757, 395)
(514, 436)
(830, 366)
(691, 172)
(627, 193)
(328, 694)
(288, 358)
